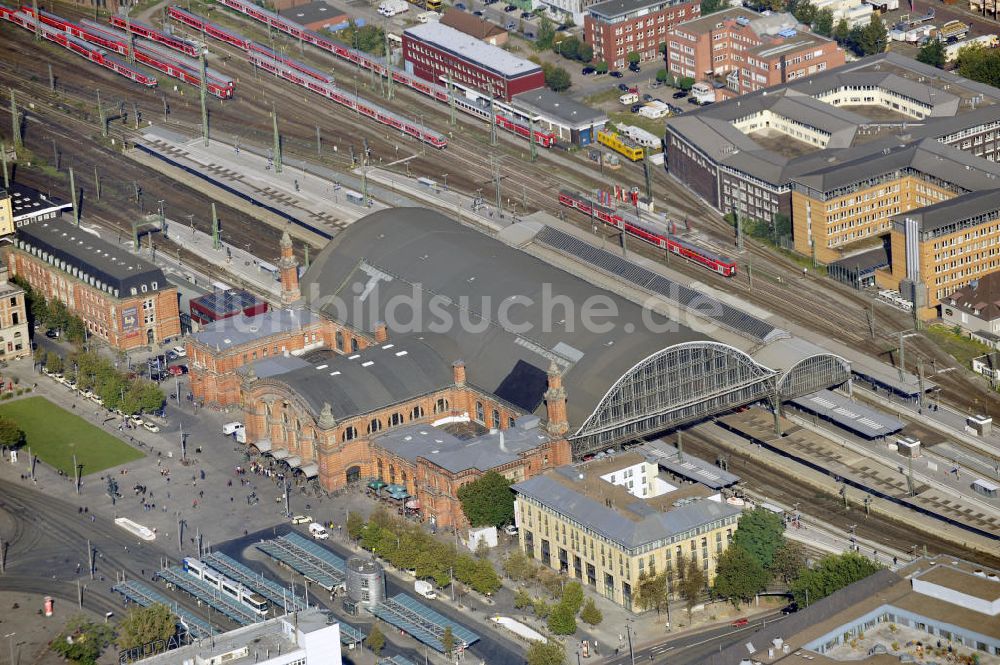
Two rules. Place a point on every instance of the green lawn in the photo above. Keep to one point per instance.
(960, 347)
(55, 434)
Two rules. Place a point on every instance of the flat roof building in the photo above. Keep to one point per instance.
(316, 16)
(309, 637)
(20, 205)
(889, 617)
(436, 52)
(616, 28)
(747, 50)
(610, 521)
(567, 118)
(224, 304)
(123, 299)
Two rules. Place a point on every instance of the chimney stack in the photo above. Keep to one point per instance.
(458, 371)
(555, 403)
(381, 332)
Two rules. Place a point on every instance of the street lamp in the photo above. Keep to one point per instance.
(10, 638)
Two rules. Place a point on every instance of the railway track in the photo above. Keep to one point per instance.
(826, 507)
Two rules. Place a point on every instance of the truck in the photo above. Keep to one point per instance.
(425, 589)
(390, 8)
(986, 41)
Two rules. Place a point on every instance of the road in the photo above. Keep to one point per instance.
(690, 648)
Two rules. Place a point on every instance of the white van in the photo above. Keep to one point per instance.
(318, 531)
(229, 428)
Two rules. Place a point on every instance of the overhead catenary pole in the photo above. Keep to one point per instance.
(15, 119)
(76, 474)
(215, 228)
(97, 183)
(646, 173)
(130, 52)
(100, 116)
(451, 102)
(3, 157)
(52, 79)
(319, 143)
(277, 140)
(203, 88)
(531, 139)
(72, 192)
(493, 122)
(38, 22)
(90, 559)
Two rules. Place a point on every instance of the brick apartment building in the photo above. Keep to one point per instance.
(122, 299)
(751, 51)
(618, 27)
(432, 51)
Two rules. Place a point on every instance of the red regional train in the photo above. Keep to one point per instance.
(648, 233)
(152, 34)
(438, 92)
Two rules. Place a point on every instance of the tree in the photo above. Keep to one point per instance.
(375, 640)
(872, 38)
(633, 58)
(980, 64)
(572, 596)
(448, 641)
(54, 362)
(760, 532)
(823, 23)
(546, 653)
(590, 614)
(804, 12)
(146, 624)
(738, 575)
(712, 6)
(685, 83)
(833, 573)
(368, 38)
(569, 48)
(562, 620)
(932, 53)
(518, 566)
(662, 75)
(355, 525)
(842, 32)
(789, 559)
(11, 434)
(546, 34)
(601, 66)
(585, 53)
(541, 608)
(691, 585)
(484, 578)
(488, 500)
(557, 79)
(652, 592)
(82, 640)
(522, 599)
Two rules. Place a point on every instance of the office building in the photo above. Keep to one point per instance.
(616, 28)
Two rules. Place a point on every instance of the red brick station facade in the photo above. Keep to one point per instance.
(335, 450)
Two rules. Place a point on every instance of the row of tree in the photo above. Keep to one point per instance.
(117, 390)
(408, 547)
(52, 314)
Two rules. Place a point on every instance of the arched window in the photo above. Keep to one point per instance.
(267, 410)
(441, 405)
(395, 419)
(480, 414)
(496, 419)
(380, 469)
(350, 434)
(354, 345)
(339, 340)
(374, 426)
(392, 475)
(510, 421)
(284, 417)
(402, 478)
(417, 412)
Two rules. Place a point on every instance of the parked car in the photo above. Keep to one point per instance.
(680, 94)
(636, 107)
(693, 100)
(675, 110)
(510, 26)
(478, 12)
(655, 84)
(510, 530)
(739, 623)
(171, 356)
(510, 8)
(301, 519)
(180, 351)
(623, 87)
(151, 427)
(587, 71)
(561, 27)
(491, 2)
(52, 333)
(634, 66)
(647, 98)
(617, 74)
(527, 15)
(460, 5)
(136, 420)
(175, 370)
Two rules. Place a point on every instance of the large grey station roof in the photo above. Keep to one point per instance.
(393, 257)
